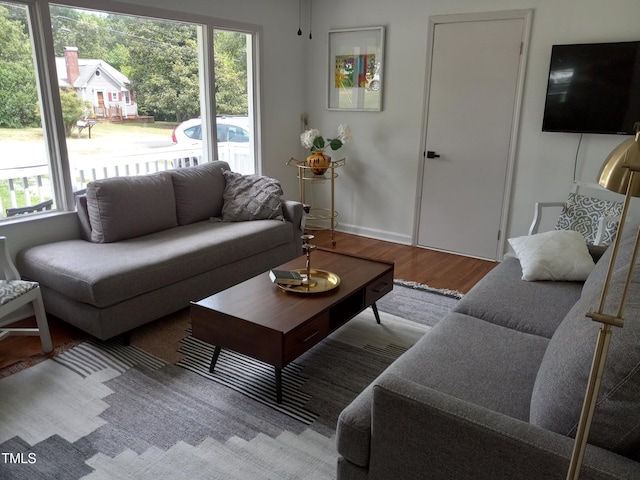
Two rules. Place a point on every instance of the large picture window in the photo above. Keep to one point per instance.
(25, 176)
(129, 95)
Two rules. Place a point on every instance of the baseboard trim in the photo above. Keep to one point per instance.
(376, 234)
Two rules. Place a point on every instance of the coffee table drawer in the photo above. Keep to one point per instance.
(379, 288)
(305, 337)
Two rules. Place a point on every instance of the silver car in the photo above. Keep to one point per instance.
(229, 129)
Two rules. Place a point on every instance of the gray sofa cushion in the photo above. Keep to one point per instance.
(198, 191)
(503, 298)
(593, 284)
(251, 197)
(83, 217)
(473, 360)
(109, 273)
(561, 382)
(128, 207)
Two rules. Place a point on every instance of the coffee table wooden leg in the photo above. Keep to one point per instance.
(278, 385)
(375, 312)
(214, 359)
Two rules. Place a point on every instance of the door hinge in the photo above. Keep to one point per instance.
(499, 234)
(521, 47)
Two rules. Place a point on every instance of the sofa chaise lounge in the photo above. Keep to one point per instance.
(153, 243)
(494, 390)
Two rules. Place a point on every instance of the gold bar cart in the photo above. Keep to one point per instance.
(324, 218)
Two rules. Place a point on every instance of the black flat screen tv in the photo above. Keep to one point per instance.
(593, 88)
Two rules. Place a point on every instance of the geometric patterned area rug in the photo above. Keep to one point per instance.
(256, 379)
(102, 410)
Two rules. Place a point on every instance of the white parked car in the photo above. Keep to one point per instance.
(233, 137)
(229, 129)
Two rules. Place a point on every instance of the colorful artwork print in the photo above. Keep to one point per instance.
(355, 70)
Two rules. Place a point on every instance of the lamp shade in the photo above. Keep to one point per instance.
(616, 170)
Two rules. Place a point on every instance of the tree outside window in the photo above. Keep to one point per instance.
(134, 79)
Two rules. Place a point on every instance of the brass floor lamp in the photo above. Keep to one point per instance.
(620, 173)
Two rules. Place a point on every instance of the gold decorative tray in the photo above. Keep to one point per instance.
(321, 281)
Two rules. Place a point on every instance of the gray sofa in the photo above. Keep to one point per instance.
(153, 243)
(494, 390)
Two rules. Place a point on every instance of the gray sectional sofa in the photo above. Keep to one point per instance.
(153, 243)
(495, 389)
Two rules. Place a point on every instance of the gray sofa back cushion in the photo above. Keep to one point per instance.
(531, 307)
(128, 207)
(594, 282)
(198, 191)
(561, 382)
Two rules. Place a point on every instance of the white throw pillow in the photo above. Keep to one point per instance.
(556, 255)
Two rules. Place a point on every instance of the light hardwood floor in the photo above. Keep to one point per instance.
(436, 269)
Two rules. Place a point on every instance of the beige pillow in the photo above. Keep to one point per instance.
(557, 255)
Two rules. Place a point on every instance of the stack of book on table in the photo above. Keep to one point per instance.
(285, 277)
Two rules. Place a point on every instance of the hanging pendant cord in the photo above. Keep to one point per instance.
(299, 17)
(310, 16)
(575, 161)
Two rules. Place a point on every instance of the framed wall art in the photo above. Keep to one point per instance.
(356, 63)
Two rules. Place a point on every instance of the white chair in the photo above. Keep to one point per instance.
(595, 218)
(15, 293)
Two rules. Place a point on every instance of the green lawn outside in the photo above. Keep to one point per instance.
(106, 137)
(102, 130)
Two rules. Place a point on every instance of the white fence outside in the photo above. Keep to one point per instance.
(142, 163)
(25, 176)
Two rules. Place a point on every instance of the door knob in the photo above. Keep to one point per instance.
(431, 154)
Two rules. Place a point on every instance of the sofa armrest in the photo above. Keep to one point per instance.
(293, 212)
(83, 217)
(418, 432)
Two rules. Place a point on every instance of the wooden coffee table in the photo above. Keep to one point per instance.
(259, 319)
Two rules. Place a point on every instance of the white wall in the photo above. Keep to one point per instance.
(376, 190)
(376, 193)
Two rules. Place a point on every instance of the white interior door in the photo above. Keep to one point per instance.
(472, 108)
